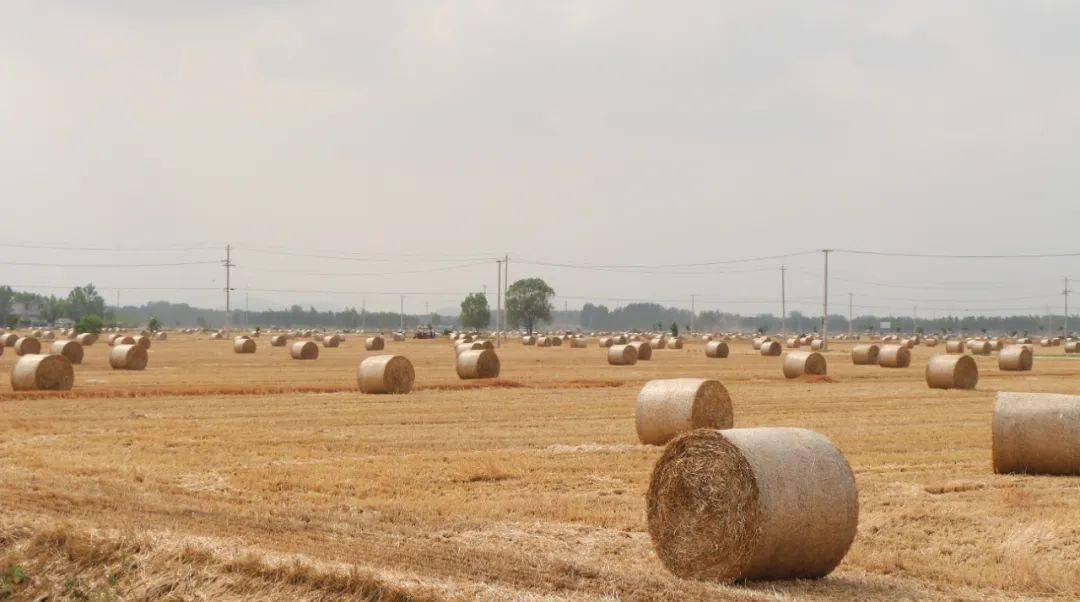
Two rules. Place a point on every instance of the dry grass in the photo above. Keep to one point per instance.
(214, 475)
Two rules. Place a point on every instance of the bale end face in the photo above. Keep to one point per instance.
(27, 346)
(643, 349)
(386, 374)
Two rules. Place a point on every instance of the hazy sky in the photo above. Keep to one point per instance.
(435, 134)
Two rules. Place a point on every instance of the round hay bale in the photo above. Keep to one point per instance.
(951, 371)
(480, 363)
(620, 340)
(1072, 347)
(8, 339)
(578, 343)
(71, 350)
(330, 341)
(304, 350)
(48, 335)
(954, 346)
(797, 363)
(757, 342)
(658, 343)
(128, 357)
(42, 372)
(217, 336)
(605, 342)
(1016, 358)
(463, 347)
(37, 333)
(27, 346)
(979, 347)
(543, 342)
(865, 354)
(667, 408)
(770, 349)
(121, 339)
(816, 344)
(622, 355)
(675, 343)
(794, 343)
(643, 349)
(1037, 433)
(909, 343)
(375, 343)
(399, 337)
(244, 345)
(161, 336)
(392, 374)
(556, 341)
(278, 340)
(717, 349)
(758, 503)
(930, 342)
(894, 356)
(142, 341)
(528, 340)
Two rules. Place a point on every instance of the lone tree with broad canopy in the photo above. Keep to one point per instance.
(475, 312)
(528, 301)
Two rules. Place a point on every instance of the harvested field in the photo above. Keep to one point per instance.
(217, 475)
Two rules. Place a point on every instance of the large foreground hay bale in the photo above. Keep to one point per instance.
(278, 340)
(622, 355)
(375, 343)
(27, 346)
(894, 356)
(128, 357)
(717, 349)
(304, 350)
(71, 350)
(954, 346)
(643, 349)
(770, 348)
(386, 374)
(864, 354)
(759, 503)
(951, 371)
(480, 363)
(797, 363)
(1037, 433)
(244, 345)
(670, 407)
(42, 372)
(1016, 358)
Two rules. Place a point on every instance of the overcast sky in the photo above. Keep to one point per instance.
(434, 135)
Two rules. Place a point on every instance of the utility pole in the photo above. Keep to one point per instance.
(783, 301)
(1066, 293)
(692, 314)
(402, 314)
(850, 314)
(825, 310)
(506, 291)
(498, 304)
(228, 264)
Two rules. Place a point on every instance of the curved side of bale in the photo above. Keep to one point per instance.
(797, 363)
(954, 346)
(951, 371)
(770, 349)
(393, 374)
(278, 340)
(42, 372)
(865, 354)
(304, 350)
(480, 363)
(716, 349)
(71, 350)
(667, 408)
(643, 349)
(1037, 433)
(622, 355)
(243, 345)
(27, 346)
(375, 343)
(128, 357)
(605, 342)
(1016, 358)
(759, 503)
(894, 356)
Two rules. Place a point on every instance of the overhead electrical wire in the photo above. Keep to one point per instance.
(107, 265)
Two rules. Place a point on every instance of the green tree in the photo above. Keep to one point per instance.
(54, 309)
(89, 323)
(674, 329)
(12, 321)
(528, 301)
(475, 312)
(83, 300)
(7, 297)
(154, 325)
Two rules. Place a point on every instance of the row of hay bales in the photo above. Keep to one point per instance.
(55, 371)
(728, 504)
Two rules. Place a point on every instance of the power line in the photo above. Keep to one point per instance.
(59, 247)
(945, 256)
(391, 273)
(661, 265)
(106, 265)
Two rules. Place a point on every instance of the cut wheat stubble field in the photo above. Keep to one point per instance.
(213, 474)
